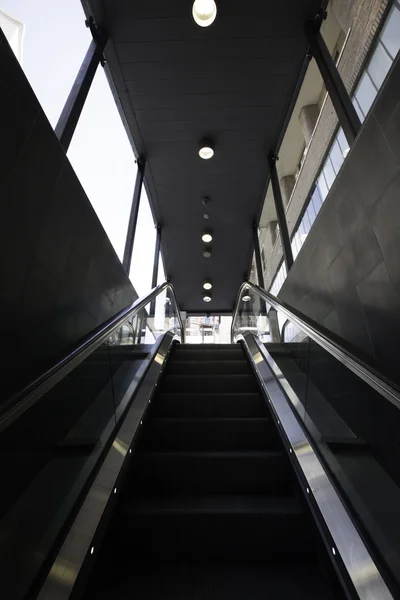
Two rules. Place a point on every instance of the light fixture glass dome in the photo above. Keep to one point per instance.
(207, 285)
(207, 237)
(207, 298)
(204, 12)
(206, 152)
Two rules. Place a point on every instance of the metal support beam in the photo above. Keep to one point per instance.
(260, 274)
(274, 326)
(155, 268)
(73, 107)
(257, 254)
(130, 235)
(345, 110)
(280, 212)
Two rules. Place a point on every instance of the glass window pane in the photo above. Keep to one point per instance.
(390, 35)
(302, 237)
(311, 212)
(294, 248)
(316, 200)
(329, 173)
(143, 248)
(365, 93)
(336, 157)
(53, 53)
(299, 242)
(322, 187)
(89, 153)
(379, 65)
(306, 222)
(360, 113)
(303, 232)
(343, 143)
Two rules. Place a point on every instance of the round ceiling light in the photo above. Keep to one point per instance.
(207, 253)
(206, 216)
(204, 12)
(207, 237)
(206, 152)
(246, 298)
(207, 298)
(207, 285)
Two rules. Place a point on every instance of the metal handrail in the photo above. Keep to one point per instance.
(347, 358)
(21, 401)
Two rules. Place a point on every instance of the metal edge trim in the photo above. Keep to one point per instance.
(348, 544)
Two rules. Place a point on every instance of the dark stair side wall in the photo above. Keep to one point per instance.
(347, 274)
(59, 274)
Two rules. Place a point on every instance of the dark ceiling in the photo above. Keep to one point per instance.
(177, 83)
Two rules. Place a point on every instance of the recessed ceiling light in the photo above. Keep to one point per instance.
(246, 298)
(207, 253)
(207, 236)
(204, 12)
(207, 298)
(207, 285)
(206, 152)
(206, 216)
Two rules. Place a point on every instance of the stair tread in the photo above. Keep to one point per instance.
(249, 376)
(208, 367)
(210, 433)
(246, 504)
(290, 579)
(214, 454)
(222, 395)
(209, 404)
(208, 346)
(189, 420)
(207, 361)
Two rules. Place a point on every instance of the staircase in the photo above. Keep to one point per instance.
(210, 509)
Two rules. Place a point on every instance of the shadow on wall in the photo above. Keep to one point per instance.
(60, 277)
(347, 274)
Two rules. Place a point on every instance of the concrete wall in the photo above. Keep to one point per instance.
(59, 275)
(347, 274)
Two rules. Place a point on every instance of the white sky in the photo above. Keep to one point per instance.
(55, 44)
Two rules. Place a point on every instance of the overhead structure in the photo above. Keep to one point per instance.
(227, 87)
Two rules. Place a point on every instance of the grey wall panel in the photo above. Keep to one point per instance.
(347, 274)
(59, 275)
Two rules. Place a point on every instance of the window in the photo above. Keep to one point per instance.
(366, 93)
(311, 213)
(390, 36)
(322, 187)
(360, 113)
(336, 157)
(329, 173)
(379, 65)
(343, 143)
(295, 246)
(316, 200)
